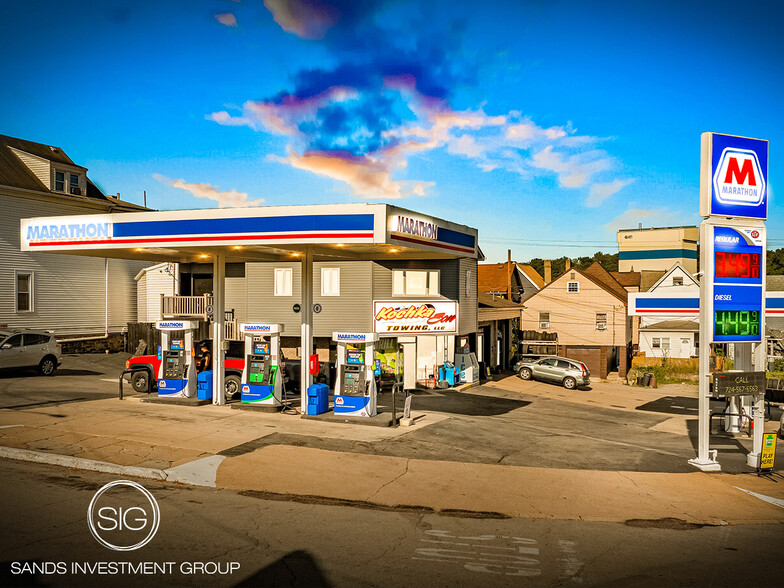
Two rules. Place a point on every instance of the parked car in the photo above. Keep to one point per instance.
(569, 373)
(27, 348)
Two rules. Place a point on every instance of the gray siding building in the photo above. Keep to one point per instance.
(68, 294)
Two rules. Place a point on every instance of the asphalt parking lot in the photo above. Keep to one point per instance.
(80, 378)
(506, 422)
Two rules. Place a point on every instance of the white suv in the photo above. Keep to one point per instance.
(23, 348)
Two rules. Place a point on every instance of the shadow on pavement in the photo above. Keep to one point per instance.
(454, 402)
(671, 405)
(33, 373)
(297, 568)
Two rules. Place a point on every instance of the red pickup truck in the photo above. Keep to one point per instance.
(145, 372)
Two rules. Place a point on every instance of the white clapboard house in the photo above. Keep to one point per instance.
(68, 294)
(671, 335)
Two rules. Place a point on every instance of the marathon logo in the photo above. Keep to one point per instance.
(739, 178)
(72, 231)
(418, 228)
(171, 325)
(351, 337)
(256, 328)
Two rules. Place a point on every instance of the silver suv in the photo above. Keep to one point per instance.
(567, 372)
(23, 348)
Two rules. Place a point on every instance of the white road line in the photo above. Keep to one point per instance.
(774, 501)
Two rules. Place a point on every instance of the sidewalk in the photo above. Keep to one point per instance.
(259, 452)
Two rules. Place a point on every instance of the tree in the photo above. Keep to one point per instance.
(775, 264)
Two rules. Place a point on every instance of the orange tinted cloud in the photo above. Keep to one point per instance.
(368, 177)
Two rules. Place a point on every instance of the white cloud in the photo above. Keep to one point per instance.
(601, 192)
(573, 171)
(226, 18)
(229, 199)
(649, 217)
(465, 145)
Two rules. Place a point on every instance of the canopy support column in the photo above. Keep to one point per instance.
(306, 345)
(219, 316)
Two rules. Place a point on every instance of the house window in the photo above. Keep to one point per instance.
(656, 343)
(282, 281)
(415, 283)
(59, 181)
(74, 185)
(677, 281)
(665, 343)
(601, 321)
(24, 291)
(330, 281)
(572, 286)
(544, 320)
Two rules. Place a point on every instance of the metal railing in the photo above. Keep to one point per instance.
(186, 306)
(231, 331)
(199, 307)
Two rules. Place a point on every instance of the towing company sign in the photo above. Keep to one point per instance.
(734, 176)
(414, 317)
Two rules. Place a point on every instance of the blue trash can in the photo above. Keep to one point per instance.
(318, 399)
(204, 385)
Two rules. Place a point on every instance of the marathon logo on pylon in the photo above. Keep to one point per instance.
(739, 179)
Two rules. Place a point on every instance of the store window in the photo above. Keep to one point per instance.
(330, 281)
(283, 281)
(415, 283)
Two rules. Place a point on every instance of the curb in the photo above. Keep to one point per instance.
(80, 463)
(196, 473)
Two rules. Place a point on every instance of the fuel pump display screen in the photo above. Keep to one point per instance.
(737, 284)
(355, 354)
(176, 344)
(261, 348)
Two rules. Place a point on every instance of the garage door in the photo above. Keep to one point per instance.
(590, 356)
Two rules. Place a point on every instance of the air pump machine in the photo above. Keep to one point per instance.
(355, 389)
(262, 378)
(177, 372)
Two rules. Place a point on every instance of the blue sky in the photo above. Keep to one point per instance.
(546, 125)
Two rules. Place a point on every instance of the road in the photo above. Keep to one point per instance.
(80, 378)
(281, 543)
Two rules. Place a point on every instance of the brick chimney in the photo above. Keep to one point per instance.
(548, 271)
(568, 264)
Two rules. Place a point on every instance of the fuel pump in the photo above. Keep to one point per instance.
(355, 388)
(262, 377)
(177, 373)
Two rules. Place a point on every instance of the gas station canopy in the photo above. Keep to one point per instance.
(329, 232)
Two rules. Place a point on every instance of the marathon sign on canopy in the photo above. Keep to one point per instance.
(416, 227)
(77, 229)
(734, 177)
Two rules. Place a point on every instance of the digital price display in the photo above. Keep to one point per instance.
(737, 284)
(734, 323)
(737, 265)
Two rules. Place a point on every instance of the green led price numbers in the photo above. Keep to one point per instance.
(734, 323)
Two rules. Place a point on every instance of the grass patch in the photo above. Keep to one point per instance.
(667, 373)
